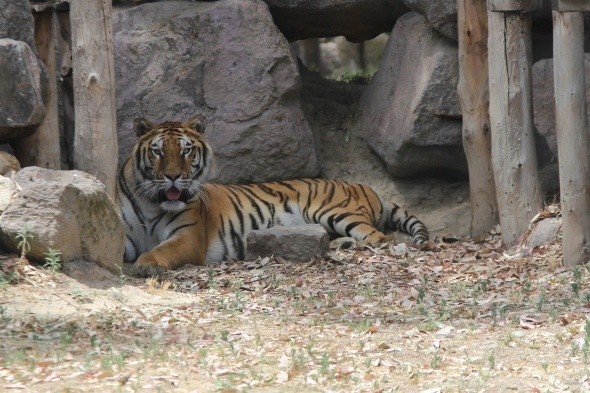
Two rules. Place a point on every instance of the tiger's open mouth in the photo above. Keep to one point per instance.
(173, 193)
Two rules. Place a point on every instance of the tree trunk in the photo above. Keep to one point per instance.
(511, 117)
(474, 97)
(95, 141)
(573, 138)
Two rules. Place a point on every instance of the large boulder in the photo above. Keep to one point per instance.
(226, 60)
(410, 113)
(441, 14)
(357, 20)
(16, 21)
(65, 210)
(21, 90)
(24, 77)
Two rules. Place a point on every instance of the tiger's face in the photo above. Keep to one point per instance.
(173, 159)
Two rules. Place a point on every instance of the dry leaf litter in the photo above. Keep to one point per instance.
(451, 316)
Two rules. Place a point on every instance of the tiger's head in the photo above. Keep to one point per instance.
(171, 161)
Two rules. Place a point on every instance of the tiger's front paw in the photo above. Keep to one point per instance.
(149, 265)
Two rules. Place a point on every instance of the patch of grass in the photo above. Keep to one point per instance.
(356, 78)
(361, 325)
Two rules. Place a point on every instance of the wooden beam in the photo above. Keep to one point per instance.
(571, 5)
(511, 117)
(95, 141)
(43, 147)
(473, 92)
(573, 135)
(513, 5)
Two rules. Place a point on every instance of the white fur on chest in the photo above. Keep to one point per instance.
(147, 232)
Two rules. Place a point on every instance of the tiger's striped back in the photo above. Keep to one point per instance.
(342, 208)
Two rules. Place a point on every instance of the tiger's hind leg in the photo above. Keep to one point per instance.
(356, 226)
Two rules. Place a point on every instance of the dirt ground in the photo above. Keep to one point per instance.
(456, 318)
(453, 317)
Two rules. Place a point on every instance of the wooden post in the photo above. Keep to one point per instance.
(514, 157)
(571, 5)
(474, 96)
(42, 148)
(573, 138)
(95, 142)
(312, 54)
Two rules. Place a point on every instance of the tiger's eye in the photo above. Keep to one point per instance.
(187, 150)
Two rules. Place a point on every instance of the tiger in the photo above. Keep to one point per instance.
(173, 216)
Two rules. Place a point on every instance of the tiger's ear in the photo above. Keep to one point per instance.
(141, 125)
(197, 123)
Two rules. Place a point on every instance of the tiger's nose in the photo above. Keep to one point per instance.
(172, 176)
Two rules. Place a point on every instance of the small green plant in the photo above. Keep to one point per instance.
(541, 300)
(24, 236)
(586, 346)
(492, 361)
(298, 360)
(527, 288)
(357, 78)
(3, 315)
(6, 278)
(576, 284)
(52, 260)
(436, 361)
(324, 364)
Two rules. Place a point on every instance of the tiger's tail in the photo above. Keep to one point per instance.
(397, 219)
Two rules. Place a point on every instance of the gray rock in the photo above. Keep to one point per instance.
(545, 232)
(226, 60)
(296, 243)
(8, 190)
(21, 72)
(66, 210)
(16, 21)
(410, 113)
(441, 14)
(9, 165)
(357, 20)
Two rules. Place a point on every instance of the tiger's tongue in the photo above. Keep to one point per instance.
(173, 194)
